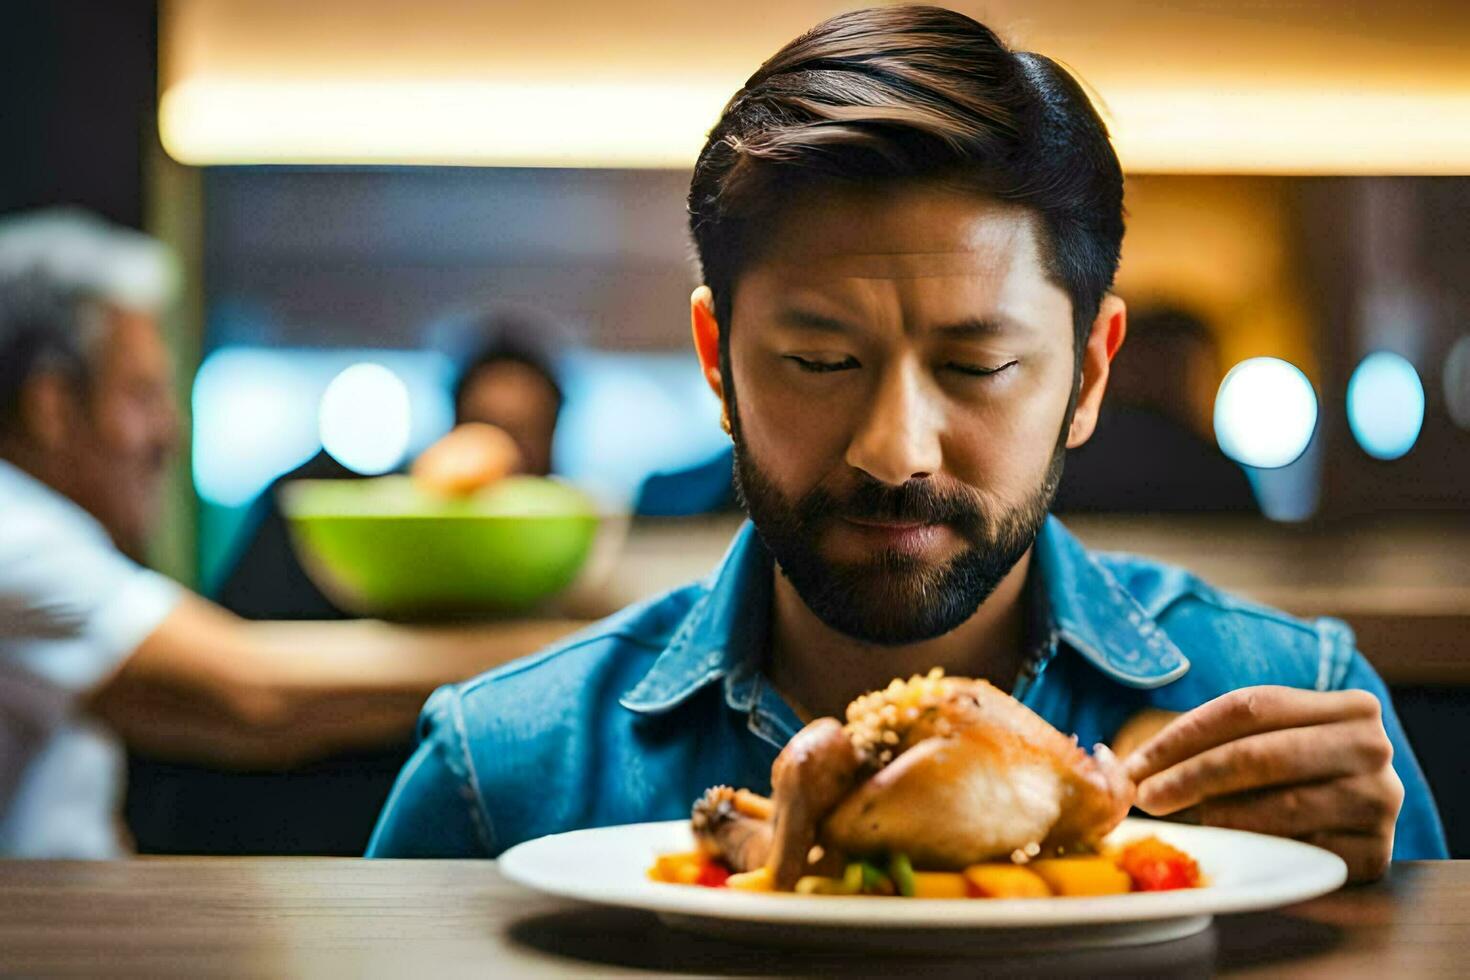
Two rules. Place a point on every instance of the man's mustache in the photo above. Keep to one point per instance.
(913, 502)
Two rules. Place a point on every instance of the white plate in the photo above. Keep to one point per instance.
(608, 865)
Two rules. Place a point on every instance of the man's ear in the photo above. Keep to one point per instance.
(707, 338)
(46, 410)
(1103, 341)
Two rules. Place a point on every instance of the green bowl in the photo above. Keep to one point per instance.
(381, 547)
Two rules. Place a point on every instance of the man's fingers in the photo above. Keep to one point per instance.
(1357, 804)
(1137, 730)
(1276, 758)
(1239, 714)
(1367, 855)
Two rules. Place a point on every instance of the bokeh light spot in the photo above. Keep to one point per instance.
(1265, 413)
(365, 419)
(1457, 382)
(1385, 405)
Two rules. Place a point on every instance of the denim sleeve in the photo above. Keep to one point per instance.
(434, 810)
(1419, 833)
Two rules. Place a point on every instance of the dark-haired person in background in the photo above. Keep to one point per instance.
(96, 649)
(509, 380)
(1153, 449)
(908, 236)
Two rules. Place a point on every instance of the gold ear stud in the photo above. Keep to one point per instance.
(725, 424)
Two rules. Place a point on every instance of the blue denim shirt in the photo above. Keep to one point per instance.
(635, 717)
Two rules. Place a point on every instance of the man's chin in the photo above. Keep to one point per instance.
(889, 601)
(886, 626)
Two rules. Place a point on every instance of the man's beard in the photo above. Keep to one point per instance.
(892, 598)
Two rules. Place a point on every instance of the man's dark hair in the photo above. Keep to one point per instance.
(911, 93)
(510, 336)
(43, 327)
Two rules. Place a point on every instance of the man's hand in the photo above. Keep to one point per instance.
(1311, 765)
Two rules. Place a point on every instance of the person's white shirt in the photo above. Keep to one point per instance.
(72, 609)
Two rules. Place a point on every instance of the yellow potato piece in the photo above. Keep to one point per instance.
(677, 869)
(1006, 881)
(940, 884)
(1082, 876)
(758, 880)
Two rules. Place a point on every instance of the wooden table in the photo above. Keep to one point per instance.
(283, 917)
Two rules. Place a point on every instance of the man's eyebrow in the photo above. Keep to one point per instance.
(978, 327)
(816, 322)
(968, 329)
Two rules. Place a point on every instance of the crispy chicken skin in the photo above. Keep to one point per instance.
(815, 770)
(733, 825)
(952, 801)
(947, 770)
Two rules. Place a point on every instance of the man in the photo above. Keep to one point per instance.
(908, 234)
(94, 646)
(509, 381)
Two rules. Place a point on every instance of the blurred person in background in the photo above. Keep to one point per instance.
(1154, 447)
(93, 645)
(508, 380)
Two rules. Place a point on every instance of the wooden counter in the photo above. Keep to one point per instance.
(290, 917)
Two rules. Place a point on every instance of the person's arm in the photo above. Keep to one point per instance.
(206, 686)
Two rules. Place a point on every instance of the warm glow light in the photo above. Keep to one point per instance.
(366, 418)
(1247, 128)
(1250, 128)
(1385, 405)
(1265, 413)
(625, 124)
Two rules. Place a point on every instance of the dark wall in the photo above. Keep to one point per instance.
(309, 256)
(1436, 719)
(78, 90)
(1387, 259)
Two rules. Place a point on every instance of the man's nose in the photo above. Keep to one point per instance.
(899, 438)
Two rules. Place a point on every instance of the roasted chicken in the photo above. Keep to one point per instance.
(946, 770)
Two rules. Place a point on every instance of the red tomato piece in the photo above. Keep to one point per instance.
(712, 875)
(1155, 866)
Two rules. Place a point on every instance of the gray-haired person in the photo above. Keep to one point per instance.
(94, 646)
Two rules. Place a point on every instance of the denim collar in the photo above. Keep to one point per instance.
(722, 637)
(1094, 615)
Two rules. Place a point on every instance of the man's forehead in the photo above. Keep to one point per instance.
(134, 337)
(896, 265)
(132, 323)
(913, 232)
